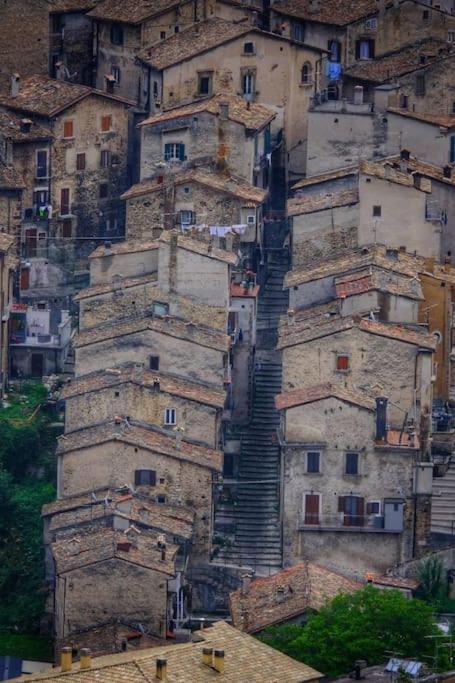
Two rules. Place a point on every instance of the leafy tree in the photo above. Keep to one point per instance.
(368, 624)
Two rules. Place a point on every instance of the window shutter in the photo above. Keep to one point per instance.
(182, 152)
(341, 504)
(370, 508)
(452, 149)
(357, 49)
(145, 477)
(360, 511)
(371, 44)
(167, 151)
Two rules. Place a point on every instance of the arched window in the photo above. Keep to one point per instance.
(306, 73)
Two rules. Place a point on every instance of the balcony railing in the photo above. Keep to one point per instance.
(344, 522)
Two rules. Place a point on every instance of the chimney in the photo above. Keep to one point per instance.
(124, 546)
(246, 583)
(86, 658)
(224, 110)
(207, 656)
(381, 418)
(161, 668)
(110, 84)
(156, 384)
(405, 154)
(66, 659)
(26, 125)
(358, 94)
(218, 661)
(447, 171)
(60, 71)
(314, 5)
(15, 85)
(138, 368)
(107, 247)
(248, 105)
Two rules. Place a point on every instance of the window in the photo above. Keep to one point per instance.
(176, 29)
(41, 164)
(377, 211)
(313, 462)
(420, 84)
(64, 201)
(353, 509)
(116, 74)
(228, 465)
(117, 34)
(311, 508)
(306, 74)
(364, 49)
(68, 129)
(374, 507)
(145, 477)
(404, 101)
(174, 151)
(248, 83)
(161, 499)
(187, 217)
(154, 362)
(371, 24)
(104, 158)
(248, 49)
(334, 47)
(104, 190)
(426, 15)
(106, 123)
(67, 229)
(204, 83)
(170, 416)
(80, 162)
(352, 463)
(342, 362)
(163, 35)
(451, 36)
(251, 220)
(298, 31)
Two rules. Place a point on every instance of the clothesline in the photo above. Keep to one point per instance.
(218, 230)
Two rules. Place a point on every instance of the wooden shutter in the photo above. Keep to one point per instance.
(106, 123)
(80, 161)
(371, 45)
(182, 152)
(64, 201)
(41, 164)
(311, 508)
(68, 129)
(452, 149)
(357, 49)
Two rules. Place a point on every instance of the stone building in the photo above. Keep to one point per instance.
(8, 264)
(219, 57)
(74, 182)
(429, 136)
(352, 482)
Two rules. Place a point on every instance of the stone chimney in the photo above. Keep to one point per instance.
(224, 110)
(15, 85)
(246, 583)
(86, 658)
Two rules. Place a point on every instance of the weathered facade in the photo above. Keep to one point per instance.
(8, 264)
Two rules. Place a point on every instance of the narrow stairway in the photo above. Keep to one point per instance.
(257, 515)
(443, 502)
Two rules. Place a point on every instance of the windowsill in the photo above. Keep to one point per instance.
(41, 178)
(343, 372)
(249, 54)
(71, 139)
(306, 85)
(351, 477)
(202, 95)
(314, 474)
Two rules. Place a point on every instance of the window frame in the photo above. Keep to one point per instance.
(338, 358)
(66, 190)
(376, 211)
(347, 456)
(253, 48)
(248, 83)
(170, 417)
(306, 74)
(106, 118)
(67, 234)
(154, 361)
(105, 154)
(103, 191)
(38, 166)
(81, 157)
(307, 462)
(141, 474)
(116, 31)
(174, 151)
(373, 502)
(68, 123)
(317, 520)
(205, 75)
(420, 85)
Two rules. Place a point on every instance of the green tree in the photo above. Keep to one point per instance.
(367, 624)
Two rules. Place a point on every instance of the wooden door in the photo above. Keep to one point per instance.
(25, 278)
(312, 508)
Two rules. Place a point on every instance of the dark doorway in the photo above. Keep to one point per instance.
(37, 364)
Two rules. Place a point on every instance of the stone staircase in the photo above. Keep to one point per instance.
(257, 542)
(443, 502)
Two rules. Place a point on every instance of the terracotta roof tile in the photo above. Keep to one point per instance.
(150, 439)
(168, 384)
(378, 279)
(257, 663)
(124, 283)
(127, 247)
(416, 166)
(251, 115)
(377, 255)
(61, 6)
(173, 327)
(48, 96)
(323, 177)
(222, 182)
(392, 172)
(311, 394)
(11, 127)
(298, 206)
(399, 62)
(395, 581)
(238, 290)
(201, 37)
(435, 118)
(328, 12)
(10, 179)
(286, 594)
(132, 11)
(199, 247)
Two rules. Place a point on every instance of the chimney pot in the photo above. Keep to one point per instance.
(405, 154)
(447, 171)
(218, 661)
(86, 658)
(161, 668)
(224, 110)
(66, 659)
(207, 656)
(246, 583)
(156, 384)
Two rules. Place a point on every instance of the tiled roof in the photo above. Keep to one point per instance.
(128, 247)
(132, 11)
(378, 279)
(328, 11)
(10, 179)
(395, 582)
(60, 6)
(416, 166)
(300, 333)
(246, 659)
(96, 506)
(391, 171)
(197, 38)
(199, 247)
(323, 177)
(223, 182)
(107, 638)
(399, 62)
(239, 290)
(435, 118)
(252, 115)
(48, 96)
(398, 262)
(12, 128)
(311, 394)
(396, 438)
(173, 327)
(144, 377)
(124, 283)
(286, 594)
(298, 206)
(150, 439)
(6, 241)
(97, 545)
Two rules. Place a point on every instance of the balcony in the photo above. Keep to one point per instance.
(346, 523)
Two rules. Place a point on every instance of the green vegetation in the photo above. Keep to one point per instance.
(434, 588)
(36, 648)
(369, 624)
(27, 470)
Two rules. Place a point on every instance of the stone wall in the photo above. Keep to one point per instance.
(324, 235)
(10, 214)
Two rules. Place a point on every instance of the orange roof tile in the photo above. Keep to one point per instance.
(328, 11)
(298, 206)
(311, 394)
(124, 247)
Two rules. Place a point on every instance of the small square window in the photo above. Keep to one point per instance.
(160, 308)
(145, 477)
(161, 499)
(204, 84)
(176, 29)
(342, 362)
(104, 190)
(352, 463)
(248, 48)
(186, 190)
(170, 416)
(313, 462)
(117, 394)
(154, 362)
(425, 15)
(163, 35)
(377, 211)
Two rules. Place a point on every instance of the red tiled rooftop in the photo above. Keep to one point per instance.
(319, 392)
